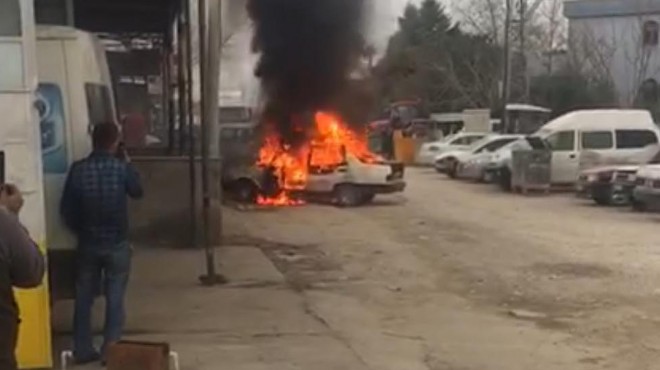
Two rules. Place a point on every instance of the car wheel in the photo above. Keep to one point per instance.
(367, 198)
(452, 168)
(603, 200)
(347, 195)
(638, 206)
(245, 191)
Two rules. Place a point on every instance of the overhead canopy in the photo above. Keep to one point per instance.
(125, 16)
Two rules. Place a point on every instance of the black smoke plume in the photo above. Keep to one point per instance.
(308, 49)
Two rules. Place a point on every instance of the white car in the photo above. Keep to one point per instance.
(472, 162)
(459, 142)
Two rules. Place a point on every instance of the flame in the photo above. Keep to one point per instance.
(329, 144)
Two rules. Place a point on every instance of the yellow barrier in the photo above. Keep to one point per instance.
(405, 148)
(34, 342)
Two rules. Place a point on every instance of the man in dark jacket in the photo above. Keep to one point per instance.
(21, 266)
(95, 207)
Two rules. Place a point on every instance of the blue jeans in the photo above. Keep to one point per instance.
(112, 267)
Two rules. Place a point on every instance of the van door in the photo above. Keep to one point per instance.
(565, 159)
(52, 104)
(597, 148)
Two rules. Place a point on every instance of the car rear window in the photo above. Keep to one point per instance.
(632, 139)
(596, 140)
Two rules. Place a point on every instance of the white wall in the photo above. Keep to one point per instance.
(616, 43)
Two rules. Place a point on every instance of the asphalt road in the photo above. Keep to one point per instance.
(455, 275)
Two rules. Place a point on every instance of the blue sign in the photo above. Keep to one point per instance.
(50, 106)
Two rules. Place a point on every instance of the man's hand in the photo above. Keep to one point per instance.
(11, 198)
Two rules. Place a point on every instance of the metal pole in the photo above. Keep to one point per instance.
(181, 81)
(166, 96)
(506, 78)
(191, 125)
(523, 55)
(210, 27)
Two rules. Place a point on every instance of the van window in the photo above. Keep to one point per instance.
(631, 139)
(10, 18)
(99, 104)
(563, 141)
(597, 140)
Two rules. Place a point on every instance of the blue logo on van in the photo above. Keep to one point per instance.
(52, 124)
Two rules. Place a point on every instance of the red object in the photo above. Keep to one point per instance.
(134, 128)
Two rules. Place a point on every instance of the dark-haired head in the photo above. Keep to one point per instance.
(105, 137)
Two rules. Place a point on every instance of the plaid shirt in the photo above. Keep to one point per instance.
(95, 200)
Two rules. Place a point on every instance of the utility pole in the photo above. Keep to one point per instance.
(522, 34)
(506, 65)
(210, 24)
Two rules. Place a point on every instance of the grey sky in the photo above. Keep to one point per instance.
(383, 20)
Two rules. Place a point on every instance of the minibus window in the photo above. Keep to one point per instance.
(634, 139)
(596, 140)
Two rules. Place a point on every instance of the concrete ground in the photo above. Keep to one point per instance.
(450, 275)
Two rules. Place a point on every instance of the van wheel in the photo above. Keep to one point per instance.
(347, 195)
(245, 191)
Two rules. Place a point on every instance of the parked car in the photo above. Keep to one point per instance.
(500, 166)
(474, 166)
(458, 142)
(598, 137)
(588, 138)
(613, 184)
(646, 195)
(472, 162)
(608, 185)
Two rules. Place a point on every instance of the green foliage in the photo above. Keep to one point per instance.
(432, 59)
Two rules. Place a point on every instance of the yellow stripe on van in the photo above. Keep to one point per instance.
(34, 343)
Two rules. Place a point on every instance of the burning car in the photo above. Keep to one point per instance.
(334, 163)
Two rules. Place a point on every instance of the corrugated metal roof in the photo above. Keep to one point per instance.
(609, 8)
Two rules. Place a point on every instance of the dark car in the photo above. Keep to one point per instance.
(611, 185)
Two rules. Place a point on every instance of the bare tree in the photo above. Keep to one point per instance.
(592, 55)
(485, 17)
(640, 56)
(549, 31)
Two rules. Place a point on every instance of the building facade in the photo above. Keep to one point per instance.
(618, 40)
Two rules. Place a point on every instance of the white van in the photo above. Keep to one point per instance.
(74, 94)
(594, 137)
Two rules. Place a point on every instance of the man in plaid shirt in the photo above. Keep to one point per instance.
(95, 207)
